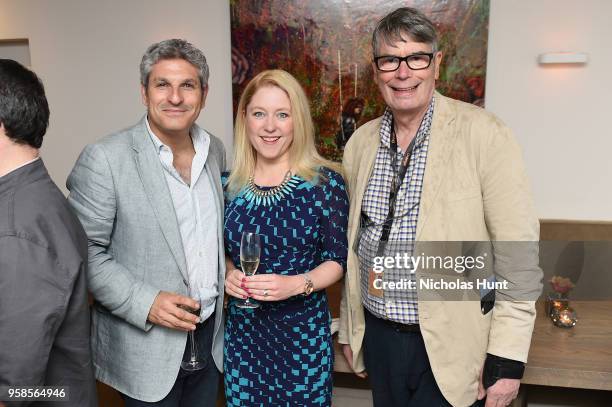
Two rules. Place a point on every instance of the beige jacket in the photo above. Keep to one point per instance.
(475, 188)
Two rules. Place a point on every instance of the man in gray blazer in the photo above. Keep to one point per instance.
(44, 316)
(150, 200)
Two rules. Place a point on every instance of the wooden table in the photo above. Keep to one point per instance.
(579, 357)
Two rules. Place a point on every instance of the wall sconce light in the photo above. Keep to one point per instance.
(577, 58)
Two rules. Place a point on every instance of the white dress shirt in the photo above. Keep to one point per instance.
(197, 213)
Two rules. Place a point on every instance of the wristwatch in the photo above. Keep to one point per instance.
(308, 286)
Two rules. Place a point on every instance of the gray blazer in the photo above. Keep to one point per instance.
(118, 191)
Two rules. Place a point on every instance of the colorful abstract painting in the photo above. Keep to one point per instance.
(325, 44)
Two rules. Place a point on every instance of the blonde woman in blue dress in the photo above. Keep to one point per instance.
(280, 354)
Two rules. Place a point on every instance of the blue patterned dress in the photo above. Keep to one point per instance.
(280, 354)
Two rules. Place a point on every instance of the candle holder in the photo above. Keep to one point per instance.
(564, 318)
(555, 302)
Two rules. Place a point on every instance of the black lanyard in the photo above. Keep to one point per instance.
(396, 183)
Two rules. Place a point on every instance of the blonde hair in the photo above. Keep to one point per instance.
(303, 154)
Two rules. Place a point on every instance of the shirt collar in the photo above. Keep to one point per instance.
(21, 165)
(24, 174)
(422, 132)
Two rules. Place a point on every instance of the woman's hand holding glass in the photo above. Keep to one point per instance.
(263, 287)
(233, 284)
(272, 287)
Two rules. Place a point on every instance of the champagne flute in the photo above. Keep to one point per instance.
(250, 251)
(194, 362)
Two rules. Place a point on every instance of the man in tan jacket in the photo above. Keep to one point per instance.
(433, 169)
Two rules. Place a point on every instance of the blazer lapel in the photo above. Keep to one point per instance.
(152, 176)
(366, 162)
(441, 141)
(213, 173)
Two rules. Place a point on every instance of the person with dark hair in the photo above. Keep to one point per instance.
(151, 201)
(434, 169)
(349, 119)
(44, 315)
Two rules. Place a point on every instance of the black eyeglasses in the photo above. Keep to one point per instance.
(416, 62)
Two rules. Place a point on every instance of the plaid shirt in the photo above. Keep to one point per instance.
(399, 305)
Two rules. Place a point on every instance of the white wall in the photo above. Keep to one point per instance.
(88, 51)
(561, 115)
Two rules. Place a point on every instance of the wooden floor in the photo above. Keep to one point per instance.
(108, 397)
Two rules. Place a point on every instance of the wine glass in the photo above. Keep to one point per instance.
(250, 250)
(194, 362)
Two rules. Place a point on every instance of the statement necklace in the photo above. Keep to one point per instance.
(270, 196)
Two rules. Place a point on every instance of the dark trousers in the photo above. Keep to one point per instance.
(191, 389)
(398, 367)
